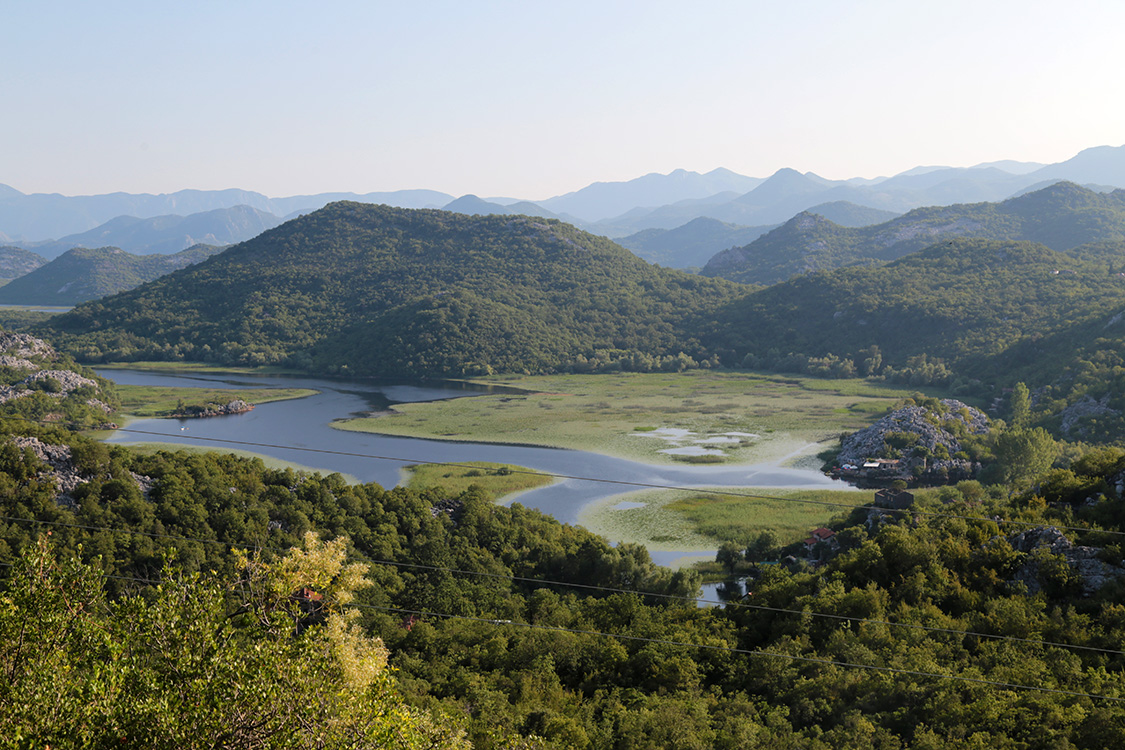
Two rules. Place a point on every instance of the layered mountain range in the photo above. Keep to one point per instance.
(375, 290)
(614, 209)
(1061, 216)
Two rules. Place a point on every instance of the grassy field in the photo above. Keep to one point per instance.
(498, 480)
(690, 520)
(154, 401)
(699, 416)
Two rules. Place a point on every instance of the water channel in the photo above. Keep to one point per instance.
(298, 431)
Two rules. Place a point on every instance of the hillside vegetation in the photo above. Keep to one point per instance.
(84, 274)
(384, 291)
(947, 627)
(1062, 216)
(961, 303)
(15, 262)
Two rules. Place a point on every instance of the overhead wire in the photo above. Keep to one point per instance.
(756, 653)
(631, 483)
(607, 589)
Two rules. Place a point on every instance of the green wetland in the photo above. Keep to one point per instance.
(695, 417)
(646, 414)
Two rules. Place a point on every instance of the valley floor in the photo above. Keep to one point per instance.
(699, 416)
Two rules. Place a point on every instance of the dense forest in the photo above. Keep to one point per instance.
(1062, 216)
(979, 618)
(380, 291)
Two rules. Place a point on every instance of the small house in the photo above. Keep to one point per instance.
(820, 535)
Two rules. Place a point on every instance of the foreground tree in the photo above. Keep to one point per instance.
(177, 669)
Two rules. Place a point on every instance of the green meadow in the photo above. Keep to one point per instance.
(155, 401)
(695, 520)
(700, 416)
(498, 480)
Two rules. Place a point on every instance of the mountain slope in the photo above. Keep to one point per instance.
(1062, 216)
(168, 234)
(40, 215)
(603, 200)
(848, 214)
(384, 291)
(84, 274)
(964, 301)
(690, 245)
(15, 262)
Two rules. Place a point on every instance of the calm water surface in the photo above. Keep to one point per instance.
(299, 431)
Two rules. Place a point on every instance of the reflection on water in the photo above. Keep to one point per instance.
(715, 594)
(299, 431)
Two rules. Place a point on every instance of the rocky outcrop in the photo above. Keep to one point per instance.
(63, 472)
(61, 382)
(1084, 408)
(1083, 561)
(24, 346)
(17, 363)
(238, 406)
(936, 441)
(62, 469)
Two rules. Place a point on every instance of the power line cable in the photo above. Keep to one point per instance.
(753, 652)
(629, 483)
(608, 589)
(619, 482)
(711, 647)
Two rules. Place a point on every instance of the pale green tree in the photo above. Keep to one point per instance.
(286, 667)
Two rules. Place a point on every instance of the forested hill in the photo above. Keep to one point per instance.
(964, 302)
(15, 262)
(1061, 216)
(84, 274)
(385, 291)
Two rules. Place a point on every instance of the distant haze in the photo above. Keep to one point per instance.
(537, 99)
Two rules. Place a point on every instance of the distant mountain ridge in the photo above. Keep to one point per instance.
(41, 215)
(691, 245)
(615, 209)
(603, 200)
(83, 274)
(1061, 216)
(168, 234)
(788, 192)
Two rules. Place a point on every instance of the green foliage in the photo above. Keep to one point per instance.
(1019, 406)
(83, 274)
(559, 684)
(956, 310)
(1024, 454)
(1062, 216)
(178, 668)
(376, 290)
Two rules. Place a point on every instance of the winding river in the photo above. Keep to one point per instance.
(299, 431)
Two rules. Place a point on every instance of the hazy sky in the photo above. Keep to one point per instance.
(533, 99)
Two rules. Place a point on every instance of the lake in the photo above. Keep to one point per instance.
(299, 431)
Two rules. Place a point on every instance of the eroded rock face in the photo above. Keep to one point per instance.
(1084, 408)
(1083, 561)
(62, 470)
(23, 346)
(67, 381)
(932, 428)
